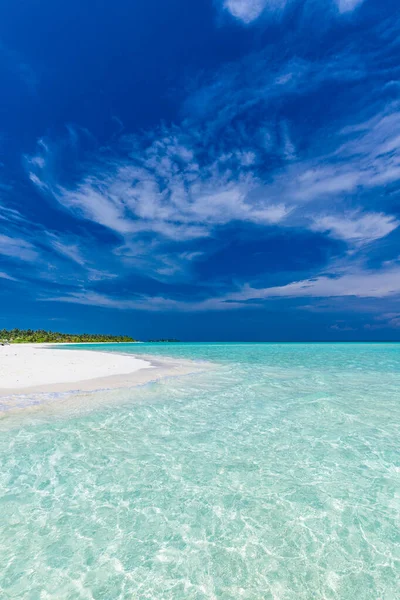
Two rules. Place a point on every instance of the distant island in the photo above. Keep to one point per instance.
(164, 340)
(40, 336)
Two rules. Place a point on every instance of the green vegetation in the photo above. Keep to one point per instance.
(24, 336)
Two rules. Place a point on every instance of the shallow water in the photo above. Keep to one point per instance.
(274, 476)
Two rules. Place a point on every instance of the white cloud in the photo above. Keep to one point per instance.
(165, 189)
(366, 157)
(249, 11)
(245, 10)
(151, 258)
(6, 276)
(185, 181)
(10, 214)
(69, 250)
(143, 302)
(188, 180)
(34, 178)
(355, 227)
(363, 284)
(17, 248)
(348, 5)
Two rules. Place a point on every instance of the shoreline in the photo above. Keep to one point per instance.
(40, 344)
(44, 368)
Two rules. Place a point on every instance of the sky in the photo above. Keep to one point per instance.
(205, 170)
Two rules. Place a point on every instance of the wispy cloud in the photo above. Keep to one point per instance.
(348, 5)
(168, 189)
(365, 155)
(241, 155)
(17, 248)
(53, 257)
(69, 250)
(355, 227)
(361, 283)
(143, 302)
(10, 214)
(6, 276)
(221, 165)
(393, 319)
(165, 188)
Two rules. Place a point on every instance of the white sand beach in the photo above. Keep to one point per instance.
(36, 368)
(27, 366)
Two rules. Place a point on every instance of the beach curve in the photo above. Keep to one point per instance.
(39, 368)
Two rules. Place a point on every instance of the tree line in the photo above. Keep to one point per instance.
(23, 336)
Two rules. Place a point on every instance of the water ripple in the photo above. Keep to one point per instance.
(275, 478)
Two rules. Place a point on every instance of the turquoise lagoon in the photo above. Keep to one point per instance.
(275, 475)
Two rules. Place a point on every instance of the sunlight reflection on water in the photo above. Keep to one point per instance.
(275, 476)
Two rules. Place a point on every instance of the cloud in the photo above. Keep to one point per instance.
(157, 261)
(261, 81)
(215, 166)
(234, 157)
(45, 250)
(17, 248)
(69, 250)
(394, 320)
(355, 227)
(83, 252)
(6, 276)
(348, 5)
(244, 152)
(9, 214)
(362, 284)
(10, 217)
(340, 326)
(248, 11)
(288, 148)
(142, 302)
(364, 156)
(167, 189)
(384, 321)
(91, 298)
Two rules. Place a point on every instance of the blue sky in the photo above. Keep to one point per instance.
(210, 170)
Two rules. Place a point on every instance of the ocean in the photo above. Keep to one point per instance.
(274, 475)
